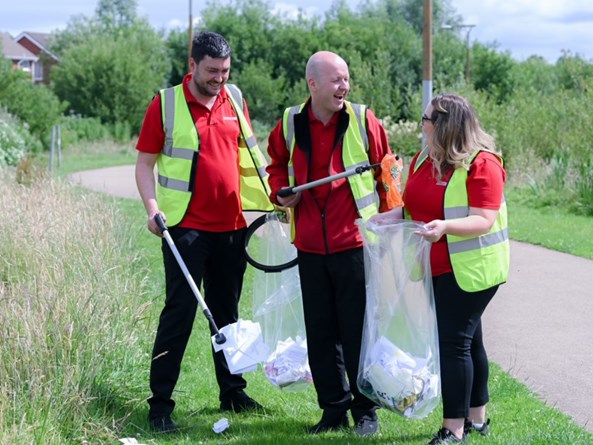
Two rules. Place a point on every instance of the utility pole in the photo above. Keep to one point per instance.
(468, 60)
(190, 33)
(468, 56)
(427, 57)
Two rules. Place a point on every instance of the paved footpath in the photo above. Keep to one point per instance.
(538, 328)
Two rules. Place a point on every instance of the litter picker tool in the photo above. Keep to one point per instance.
(219, 337)
(274, 252)
(309, 185)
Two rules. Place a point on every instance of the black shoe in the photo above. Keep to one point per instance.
(162, 424)
(366, 427)
(470, 427)
(239, 403)
(444, 436)
(327, 424)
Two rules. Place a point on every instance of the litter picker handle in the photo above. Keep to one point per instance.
(159, 222)
(219, 337)
(283, 193)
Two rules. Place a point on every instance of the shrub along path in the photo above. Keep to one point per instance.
(538, 328)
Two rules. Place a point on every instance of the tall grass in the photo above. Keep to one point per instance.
(70, 317)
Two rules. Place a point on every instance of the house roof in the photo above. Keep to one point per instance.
(13, 50)
(40, 39)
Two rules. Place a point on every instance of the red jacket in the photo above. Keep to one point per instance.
(325, 217)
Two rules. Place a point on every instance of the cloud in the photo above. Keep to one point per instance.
(578, 17)
(528, 27)
(291, 11)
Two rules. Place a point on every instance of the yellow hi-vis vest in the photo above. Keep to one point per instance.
(176, 162)
(354, 154)
(478, 262)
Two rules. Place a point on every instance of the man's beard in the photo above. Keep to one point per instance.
(205, 91)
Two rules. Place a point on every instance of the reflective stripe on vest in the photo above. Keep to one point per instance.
(354, 154)
(478, 262)
(255, 191)
(180, 152)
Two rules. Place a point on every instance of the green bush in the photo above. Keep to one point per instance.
(405, 137)
(15, 140)
(584, 188)
(34, 104)
(76, 129)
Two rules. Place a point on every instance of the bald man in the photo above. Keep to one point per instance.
(322, 137)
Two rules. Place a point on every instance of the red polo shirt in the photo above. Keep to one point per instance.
(216, 202)
(425, 197)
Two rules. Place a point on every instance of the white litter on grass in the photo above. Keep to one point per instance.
(221, 425)
(130, 441)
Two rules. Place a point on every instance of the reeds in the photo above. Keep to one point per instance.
(69, 315)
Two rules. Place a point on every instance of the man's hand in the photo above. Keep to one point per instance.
(152, 225)
(289, 201)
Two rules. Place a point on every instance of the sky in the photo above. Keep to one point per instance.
(523, 27)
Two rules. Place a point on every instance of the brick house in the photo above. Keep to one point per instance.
(29, 53)
(38, 44)
(20, 57)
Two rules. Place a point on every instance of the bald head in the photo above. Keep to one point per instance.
(328, 80)
(321, 62)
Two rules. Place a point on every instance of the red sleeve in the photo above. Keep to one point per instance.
(485, 182)
(278, 167)
(378, 149)
(152, 136)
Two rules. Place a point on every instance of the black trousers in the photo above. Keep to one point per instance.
(218, 260)
(464, 362)
(334, 300)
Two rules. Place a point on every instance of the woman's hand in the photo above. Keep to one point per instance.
(478, 222)
(433, 231)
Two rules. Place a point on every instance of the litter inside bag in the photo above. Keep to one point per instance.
(399, 367)
(278, 307)
(288, 366)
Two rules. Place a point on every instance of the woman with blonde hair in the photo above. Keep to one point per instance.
(455, 186)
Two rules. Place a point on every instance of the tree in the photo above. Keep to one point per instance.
(113, 68)
(116, 14)
(535, 75)
(573, 72)
(492, 72)
(177, 44)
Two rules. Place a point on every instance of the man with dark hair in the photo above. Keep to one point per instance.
(210, 170)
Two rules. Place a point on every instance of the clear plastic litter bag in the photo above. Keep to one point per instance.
(278, 307)
(399, 366)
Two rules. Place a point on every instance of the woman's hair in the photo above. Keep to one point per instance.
(457, 133)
